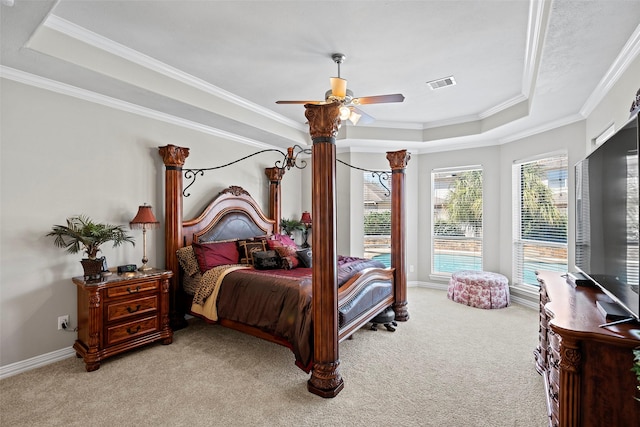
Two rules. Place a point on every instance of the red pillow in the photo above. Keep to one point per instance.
(287, 252)
(284, 239)
(211, 255)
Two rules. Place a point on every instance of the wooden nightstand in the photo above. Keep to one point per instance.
(121, 312)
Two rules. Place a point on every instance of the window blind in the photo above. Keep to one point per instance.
(377, 218)
(456, 220)
(540, 218)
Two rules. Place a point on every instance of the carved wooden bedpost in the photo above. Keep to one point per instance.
(325, 378)
(275, 202)
(398, 161)
(173, 158)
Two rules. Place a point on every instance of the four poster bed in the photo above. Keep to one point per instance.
(264, 299)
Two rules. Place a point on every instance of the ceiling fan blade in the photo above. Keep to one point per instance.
(338, 87)
(378, 99)
(299, 102)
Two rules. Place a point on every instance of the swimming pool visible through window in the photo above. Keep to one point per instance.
(456, 220)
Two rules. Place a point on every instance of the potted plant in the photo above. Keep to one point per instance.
(291, 225)
(81, 233)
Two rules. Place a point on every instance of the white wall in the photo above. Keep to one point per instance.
(568, 140)
(614, 108)
(62, 156)
(489, 159)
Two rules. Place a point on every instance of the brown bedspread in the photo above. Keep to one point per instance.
(276, 303)
(279, 302)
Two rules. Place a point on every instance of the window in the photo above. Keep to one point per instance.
(540, 218)
(456, 220)
(377, 218)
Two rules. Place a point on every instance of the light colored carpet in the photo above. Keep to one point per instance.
(449, 365)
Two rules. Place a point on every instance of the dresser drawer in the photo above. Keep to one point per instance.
(126, 331)
(131, 307)
(136, 288)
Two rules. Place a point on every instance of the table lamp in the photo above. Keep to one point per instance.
(307, 222)
(144, 219)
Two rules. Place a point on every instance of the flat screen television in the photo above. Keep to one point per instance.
(607, 221)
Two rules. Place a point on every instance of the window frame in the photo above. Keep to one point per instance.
(518, 280)
(478, 241)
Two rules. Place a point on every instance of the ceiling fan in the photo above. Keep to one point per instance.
(348, 103)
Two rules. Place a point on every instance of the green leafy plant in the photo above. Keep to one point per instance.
(636, 367)
(377, 223)
(81, 233)
(290, 225)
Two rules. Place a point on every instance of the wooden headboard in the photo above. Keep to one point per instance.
(232, 214)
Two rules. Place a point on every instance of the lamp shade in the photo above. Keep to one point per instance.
(306, 218)
(338, 87)
(144, 218)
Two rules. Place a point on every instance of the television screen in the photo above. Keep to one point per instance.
(607, 222)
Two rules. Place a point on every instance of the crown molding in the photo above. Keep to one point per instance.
(96, 98)
(93, 39)
(539, 12)
(627, 55)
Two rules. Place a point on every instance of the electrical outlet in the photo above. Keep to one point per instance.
(63, 320)
(411, 269)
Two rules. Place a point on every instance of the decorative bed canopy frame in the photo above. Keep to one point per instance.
(325, 380)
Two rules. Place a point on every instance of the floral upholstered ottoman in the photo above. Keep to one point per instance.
(480, 289)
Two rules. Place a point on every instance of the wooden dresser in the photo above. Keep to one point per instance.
(587, 369)
(121, 312)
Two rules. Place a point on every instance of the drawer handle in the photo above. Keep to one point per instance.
(133, 331)
(133, 291)
(133, 310)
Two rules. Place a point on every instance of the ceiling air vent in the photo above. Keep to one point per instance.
(440, 83)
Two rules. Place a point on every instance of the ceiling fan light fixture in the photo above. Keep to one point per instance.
(354, 117)
(345, 113)
(338, 87)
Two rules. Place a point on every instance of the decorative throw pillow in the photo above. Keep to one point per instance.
(190, 284)
(304, 255)
(289, 262)
(188, 261)
(284, 239)
(286, 252)
(248, 247)
(266, 260)
(211, 255)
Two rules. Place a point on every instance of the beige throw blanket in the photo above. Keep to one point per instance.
(205, 297)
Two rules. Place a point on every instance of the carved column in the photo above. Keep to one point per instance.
(275, 203)
(398, 161)
(570, 382)
(164, 304)
(173, 158)
(91, 359)
(325, 378)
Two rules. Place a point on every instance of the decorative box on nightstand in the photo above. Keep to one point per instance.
(121, 312)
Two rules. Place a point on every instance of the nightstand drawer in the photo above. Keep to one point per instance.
(133, 307)
(126, 331)
(135, 288)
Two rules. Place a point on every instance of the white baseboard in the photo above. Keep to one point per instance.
(430, 285)
(36, 362)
